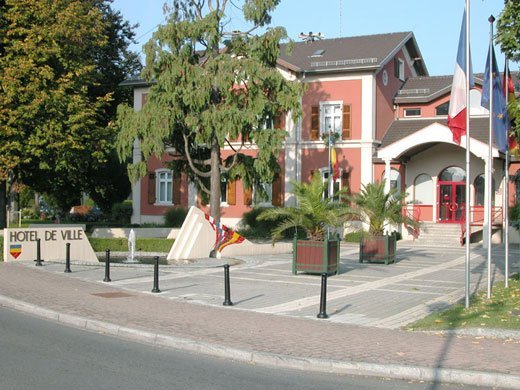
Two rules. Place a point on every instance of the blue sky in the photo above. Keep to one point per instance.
(435, 23)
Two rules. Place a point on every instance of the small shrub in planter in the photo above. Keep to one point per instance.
(315, 215)
(175, 216)
(378, 210)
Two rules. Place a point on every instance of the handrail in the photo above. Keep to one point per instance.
(413, 213)
(496, 219)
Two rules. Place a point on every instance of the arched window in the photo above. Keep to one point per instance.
(453, 174)
(423, 189)
(480, 190)
(395, 179)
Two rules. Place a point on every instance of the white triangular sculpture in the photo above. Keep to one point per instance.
(197, 238)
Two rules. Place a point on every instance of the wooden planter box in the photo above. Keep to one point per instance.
(378, 249)
(316, 257)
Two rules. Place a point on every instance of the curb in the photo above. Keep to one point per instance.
(443, 375)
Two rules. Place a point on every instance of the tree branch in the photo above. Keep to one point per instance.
(197, 171)
(202, 186)
(225, 169)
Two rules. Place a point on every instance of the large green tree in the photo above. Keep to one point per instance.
(508, 36)
(211, 86)
(61, 62)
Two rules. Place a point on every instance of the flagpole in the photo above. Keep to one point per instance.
(489, 180)
(506, 189)
(468, 226)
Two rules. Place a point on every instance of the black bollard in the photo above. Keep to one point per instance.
(107, 266)
(227, 293)
(323, 299)
(38, 253)
(156, 275)
(67, 258)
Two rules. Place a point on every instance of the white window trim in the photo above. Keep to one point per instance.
(327, 170)
(401, 69)
(224, 203)
(157, 187)
(264, 203)
(412, 116)
(322, 115)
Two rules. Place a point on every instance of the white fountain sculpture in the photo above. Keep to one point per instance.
(131, 247)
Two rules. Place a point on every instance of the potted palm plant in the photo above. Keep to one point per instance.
(379, 210)
(317, 217)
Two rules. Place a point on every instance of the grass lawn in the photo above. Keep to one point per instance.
(502, 311)
(121, 244)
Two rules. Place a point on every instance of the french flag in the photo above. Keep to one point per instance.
(458, 105)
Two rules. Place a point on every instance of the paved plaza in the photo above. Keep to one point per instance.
(273, 319)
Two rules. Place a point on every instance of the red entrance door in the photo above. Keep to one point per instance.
(452, 201)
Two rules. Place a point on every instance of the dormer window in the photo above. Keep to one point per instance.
(399, 69)
(412, 112)
(318, 53)
(442, 109)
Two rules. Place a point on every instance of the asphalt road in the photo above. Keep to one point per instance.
(40, 354)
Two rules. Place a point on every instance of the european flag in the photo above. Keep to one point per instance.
(500, 116)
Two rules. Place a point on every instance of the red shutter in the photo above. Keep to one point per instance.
(347, 128)
(345, 181)
(232, 192)
(277, 190)
(151, 188)
(176, 188)
(315, 123)
(248, 196)
(279, 121)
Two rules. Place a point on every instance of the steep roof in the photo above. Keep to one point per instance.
(351, 53)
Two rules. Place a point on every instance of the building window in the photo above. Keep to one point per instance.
(480, 190)
(330, 118)
(423, 193)
(453, 174)
(442, 109)
(395, 179)
(399, 69)
(164, 184)
(411, 112)
(263, 194)
(223, 191)
(335, 186)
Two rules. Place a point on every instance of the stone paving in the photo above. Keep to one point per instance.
(273, 320)
(386, 296)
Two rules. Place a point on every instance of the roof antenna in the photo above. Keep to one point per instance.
(340, 18)
(311, 37)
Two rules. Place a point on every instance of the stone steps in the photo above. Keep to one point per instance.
(436, 234)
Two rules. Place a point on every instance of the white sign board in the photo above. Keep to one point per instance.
(21, 244)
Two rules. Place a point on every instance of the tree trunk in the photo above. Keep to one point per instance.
(3, 204)
(214, 198)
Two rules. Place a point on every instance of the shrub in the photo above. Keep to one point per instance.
(354, 236)
(514, 212)
(121, 212)
(253, 227)
(175, 216)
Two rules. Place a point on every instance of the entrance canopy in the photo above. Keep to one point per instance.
(407, 137)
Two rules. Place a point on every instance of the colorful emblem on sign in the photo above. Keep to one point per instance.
(224, 236)
(15, 250)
